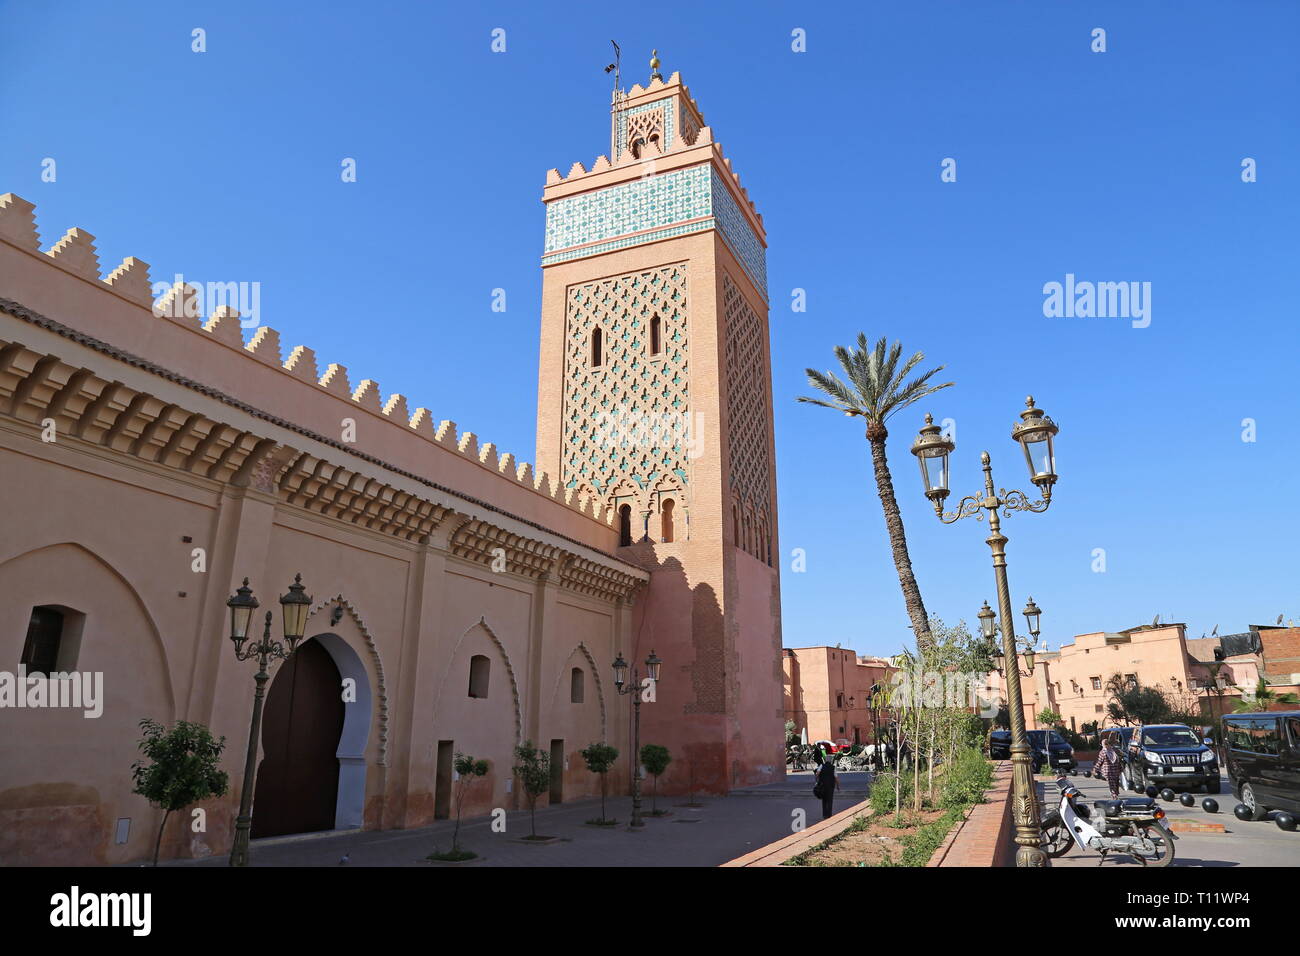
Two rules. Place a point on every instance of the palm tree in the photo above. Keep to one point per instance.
(1262, 697)
(876, 388)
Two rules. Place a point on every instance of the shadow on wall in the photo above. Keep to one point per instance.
(692, 711)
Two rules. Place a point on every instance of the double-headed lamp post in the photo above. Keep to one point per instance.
(652, 667)
(295, 606)
(1035, 433)
(989, 629)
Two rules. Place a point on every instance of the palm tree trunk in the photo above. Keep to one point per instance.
(877, 434)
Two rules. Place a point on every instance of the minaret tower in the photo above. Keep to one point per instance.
(655, 398)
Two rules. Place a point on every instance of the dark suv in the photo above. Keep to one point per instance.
(1263, 760)
(1059, 754)
(1173, 756)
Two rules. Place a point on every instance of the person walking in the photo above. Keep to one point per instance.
(1108, 764)
(825, 787)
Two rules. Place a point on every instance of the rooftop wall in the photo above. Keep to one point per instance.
(65, 283)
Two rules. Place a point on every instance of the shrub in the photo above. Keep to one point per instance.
(600, 758)
(966, 779)
(655, 758)
(918, 847)
(533, 768)
(182, 769)
(970, 732)
(882, 791)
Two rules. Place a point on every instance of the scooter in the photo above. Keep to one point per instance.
(1130, 825)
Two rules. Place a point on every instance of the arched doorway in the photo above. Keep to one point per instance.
(298, 780)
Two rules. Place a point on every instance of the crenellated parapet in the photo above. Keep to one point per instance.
(701, 148)
(664, 176)
(97, 396)
(222, 325)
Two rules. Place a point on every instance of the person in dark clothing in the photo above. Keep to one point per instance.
(827, 785)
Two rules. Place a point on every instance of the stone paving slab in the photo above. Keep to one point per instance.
(726, 827)
(775, 854)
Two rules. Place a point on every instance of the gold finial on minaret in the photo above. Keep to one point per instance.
(654, 67)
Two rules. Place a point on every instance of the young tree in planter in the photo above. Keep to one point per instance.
(533, 768)
(1049, 717)
(656, 759)
(599, 759)
(183, 768)
(468, 770)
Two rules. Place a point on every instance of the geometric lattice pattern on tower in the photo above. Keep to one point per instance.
(627, 417)
(749, 422)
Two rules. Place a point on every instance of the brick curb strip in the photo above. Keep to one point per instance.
(774, 854)
(1192, 826)
(986, 837)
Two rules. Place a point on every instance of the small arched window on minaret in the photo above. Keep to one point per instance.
(597, 346)
(656, 336)
(666, 521)
(624, 525)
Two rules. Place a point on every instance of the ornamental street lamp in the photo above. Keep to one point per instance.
(294, 608)
(1035, 433)
(988, 628)
(652, 667)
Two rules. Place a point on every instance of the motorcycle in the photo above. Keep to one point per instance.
(1130, 825)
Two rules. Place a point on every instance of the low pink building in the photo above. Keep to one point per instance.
(828, 693)
(1073, 679)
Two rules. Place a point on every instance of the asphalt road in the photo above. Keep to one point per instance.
(1242, 843)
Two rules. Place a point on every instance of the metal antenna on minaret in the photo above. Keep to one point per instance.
(616, 69)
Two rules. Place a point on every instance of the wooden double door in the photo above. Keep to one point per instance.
(298, 779)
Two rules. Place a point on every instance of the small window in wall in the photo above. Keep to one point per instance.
(44, 634)
(1096, 683)
(479, 669)
(666, 520)
(576, 689)
(625, 525)
(839, 701)
(53, 640)
(656, 330)
(597, 346)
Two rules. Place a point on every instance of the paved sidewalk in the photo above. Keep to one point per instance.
(721, 829)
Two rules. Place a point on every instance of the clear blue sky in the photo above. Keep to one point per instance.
(1115, 166)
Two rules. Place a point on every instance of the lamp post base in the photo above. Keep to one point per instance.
(1031, 856)
(239, 850)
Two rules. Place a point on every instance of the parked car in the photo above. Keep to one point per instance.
(1173, 756)
(1262, 756)
(1000, 745)
(1124, 735)
(1061, 753)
